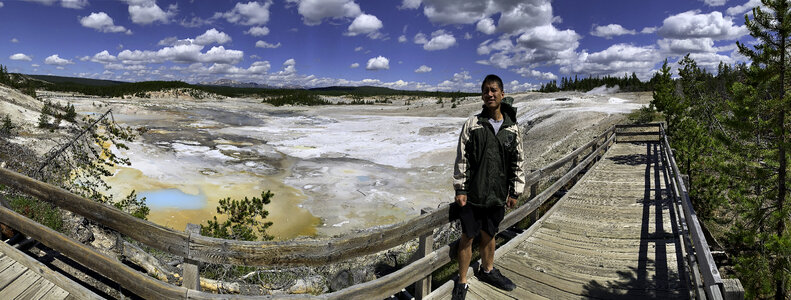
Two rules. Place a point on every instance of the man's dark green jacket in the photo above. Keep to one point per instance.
(488, 167)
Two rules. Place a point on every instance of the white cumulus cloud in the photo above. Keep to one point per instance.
(715, 2)
(440, 40)
(56, 60)
(257, 31)
(250, 13)
(262, 44)
(20, 56)
(354, 65)
(486, 25)
(531, 73)
(617, 60)
(402, 39)
(182, 53)
(378, 63)
(610, 31)
(146, 12)
(75, 4)
(102, 22)
(364, 24)
(314, 11)
(410, 4)
(102, 57)
(692, 24)
(549, 37)
(212, 36)
(741, 9)
(1, 4)
(423, 69)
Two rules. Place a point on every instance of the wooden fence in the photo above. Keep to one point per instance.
(196, 248)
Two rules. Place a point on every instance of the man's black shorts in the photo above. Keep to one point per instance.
(477, 219)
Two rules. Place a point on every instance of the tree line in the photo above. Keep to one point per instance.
(731, 134)
(627, 83)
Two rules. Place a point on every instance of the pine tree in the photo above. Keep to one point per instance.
(758, 150)
(43, 119)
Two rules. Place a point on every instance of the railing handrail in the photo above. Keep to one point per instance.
(256, 253)
(705, 261)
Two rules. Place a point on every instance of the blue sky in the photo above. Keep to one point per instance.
(405, 44)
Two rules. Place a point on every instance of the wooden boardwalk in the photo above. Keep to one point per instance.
(22, 277)
(19, 282)
(610, 237)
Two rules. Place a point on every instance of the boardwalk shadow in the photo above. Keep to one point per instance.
(659, 281)
(631, 159)
(630, 286)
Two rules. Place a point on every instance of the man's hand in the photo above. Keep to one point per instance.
(511, 202)
(461, 200)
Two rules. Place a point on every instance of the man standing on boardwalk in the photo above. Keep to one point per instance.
(487, 177)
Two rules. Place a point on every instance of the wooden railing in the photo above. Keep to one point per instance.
(705, 277)
(197, 248)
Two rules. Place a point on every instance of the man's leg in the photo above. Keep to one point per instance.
(465, 255)
(486, 247)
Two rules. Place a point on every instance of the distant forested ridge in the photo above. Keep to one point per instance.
(626, 83)
(108, 88)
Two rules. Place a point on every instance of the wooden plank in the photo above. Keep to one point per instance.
(10, 274)
(563, 288)
(139, 283)
(42, 270)
(5, 262)
(38, 290)
(19, 285)
(56, 293)
(484, 291)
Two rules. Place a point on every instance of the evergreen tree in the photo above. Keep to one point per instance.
(43, 119)
(759, 155)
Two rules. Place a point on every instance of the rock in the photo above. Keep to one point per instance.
(349, 277)
(310, 285)
(82, 232)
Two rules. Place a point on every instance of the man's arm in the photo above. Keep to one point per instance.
(461, 169)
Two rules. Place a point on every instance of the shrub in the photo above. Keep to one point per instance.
(37, 210)
(134, 206)
(7, 125)
(245, 217)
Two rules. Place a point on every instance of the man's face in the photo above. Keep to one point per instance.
(492, 95)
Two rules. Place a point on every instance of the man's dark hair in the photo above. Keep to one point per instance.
(492, 78)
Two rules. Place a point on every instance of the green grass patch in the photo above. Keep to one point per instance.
(37, 210)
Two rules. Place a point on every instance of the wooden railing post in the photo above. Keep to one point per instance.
(191, 273)
(533, 193)
(425, 247)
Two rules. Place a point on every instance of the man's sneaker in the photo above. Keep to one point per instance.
(459, 291)
(496, 279)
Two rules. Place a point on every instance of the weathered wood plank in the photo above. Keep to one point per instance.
(42, 270)
(19, 285)
(10, 274)
(38, 290)
(56, 293)
(564, 287)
